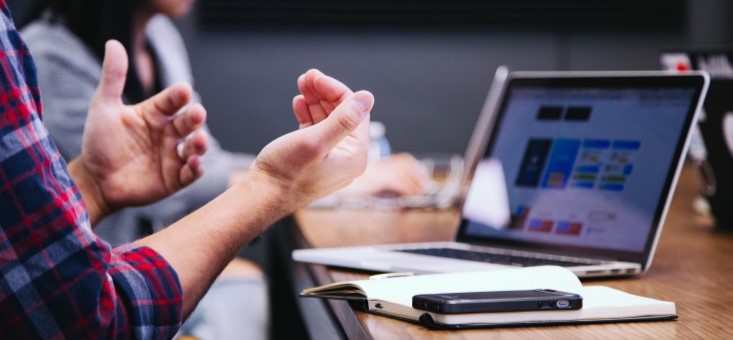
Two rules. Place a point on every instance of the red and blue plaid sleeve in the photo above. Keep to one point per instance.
(58, 279)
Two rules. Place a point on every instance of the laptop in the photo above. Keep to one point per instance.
(711, 147)
(575, 169)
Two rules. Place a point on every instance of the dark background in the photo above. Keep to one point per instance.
(428, 63)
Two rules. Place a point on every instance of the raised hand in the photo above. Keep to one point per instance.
(130, 153)
(331, 147)
(399, 175)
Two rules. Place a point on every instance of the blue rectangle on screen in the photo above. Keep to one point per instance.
(533, 162)
(612, 187)
(626, 144)
(561, 162)
(596, 143)
(592, 169)
(584, 185)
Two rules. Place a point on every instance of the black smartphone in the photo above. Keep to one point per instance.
(497, 301)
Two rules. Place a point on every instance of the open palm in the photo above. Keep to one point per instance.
(130, 151)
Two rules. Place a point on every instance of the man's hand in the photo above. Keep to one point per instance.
(397, 175)
(330, 148)
(130, 153)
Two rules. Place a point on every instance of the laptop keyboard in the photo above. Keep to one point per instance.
(507, 259)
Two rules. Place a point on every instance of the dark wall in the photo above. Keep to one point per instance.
(429, 83)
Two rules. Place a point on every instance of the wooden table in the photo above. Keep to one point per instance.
(693, 267)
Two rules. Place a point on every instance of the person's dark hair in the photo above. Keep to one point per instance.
(95, 22)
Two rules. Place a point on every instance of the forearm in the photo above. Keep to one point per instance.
(200, 245)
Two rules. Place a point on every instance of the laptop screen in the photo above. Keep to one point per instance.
(581, 165)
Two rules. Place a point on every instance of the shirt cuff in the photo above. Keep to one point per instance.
(149, 290)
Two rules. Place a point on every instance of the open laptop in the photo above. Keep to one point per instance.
(566, 168)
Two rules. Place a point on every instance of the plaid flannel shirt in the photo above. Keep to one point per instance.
(59, 280)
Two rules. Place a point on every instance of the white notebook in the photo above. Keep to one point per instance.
(393, 297)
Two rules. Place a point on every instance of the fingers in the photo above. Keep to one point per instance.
(114, 71)
(311, 98)
(320, 94)
(189, 120)
(316, 87)
(191, 171)
(190, 153)
(168, 102)
(346, 119)
(195, 145)
(302, 114)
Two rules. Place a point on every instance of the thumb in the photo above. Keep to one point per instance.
(347, 118)
(114, 71)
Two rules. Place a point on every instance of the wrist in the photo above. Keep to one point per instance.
(90, 191)
(281, 195)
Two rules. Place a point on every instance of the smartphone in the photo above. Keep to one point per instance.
(497, 301)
